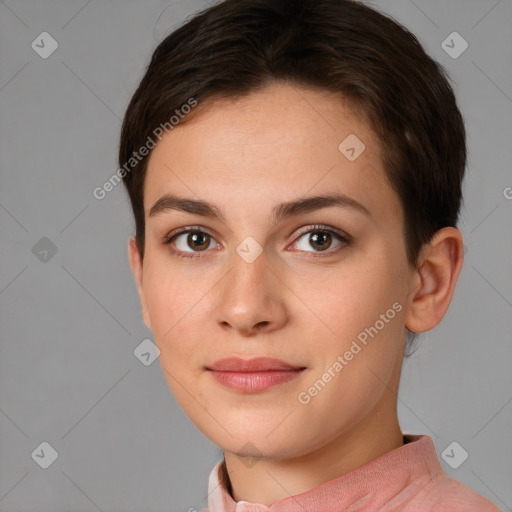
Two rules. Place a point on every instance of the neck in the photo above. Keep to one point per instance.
(269, 480)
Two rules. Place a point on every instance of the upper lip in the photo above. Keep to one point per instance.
(256, 364)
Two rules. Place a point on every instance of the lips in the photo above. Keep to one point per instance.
(253, 375)
(257, 364)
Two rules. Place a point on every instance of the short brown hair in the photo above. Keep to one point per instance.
(238, 46)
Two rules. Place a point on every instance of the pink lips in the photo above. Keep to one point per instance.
(253, 375)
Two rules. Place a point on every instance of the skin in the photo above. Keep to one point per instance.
(246, 156)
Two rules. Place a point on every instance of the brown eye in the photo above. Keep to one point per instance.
(189, 243)
(198, 240)
(319, 239)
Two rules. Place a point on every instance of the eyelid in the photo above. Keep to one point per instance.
(322, 227)
(187, 229)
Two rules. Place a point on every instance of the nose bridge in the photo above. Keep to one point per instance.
(250, 298)
(248, 280)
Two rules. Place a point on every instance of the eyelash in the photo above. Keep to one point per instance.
(345, 240)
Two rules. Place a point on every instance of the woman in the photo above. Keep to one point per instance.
(295, 171)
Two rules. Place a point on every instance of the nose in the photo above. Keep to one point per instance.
(252, 298)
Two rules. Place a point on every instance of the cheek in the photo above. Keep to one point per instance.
(175, 309)
(351, 299)
(361, 304)
(172, 300)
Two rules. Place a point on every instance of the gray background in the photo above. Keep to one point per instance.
(70, 321)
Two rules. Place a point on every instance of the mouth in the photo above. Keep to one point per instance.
(253, 375)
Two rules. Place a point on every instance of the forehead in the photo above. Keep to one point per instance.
(280, 142)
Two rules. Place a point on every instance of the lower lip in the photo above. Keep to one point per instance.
(253, 382)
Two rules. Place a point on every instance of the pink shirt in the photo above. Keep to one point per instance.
(408, 479)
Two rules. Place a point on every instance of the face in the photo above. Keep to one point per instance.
(322, 286)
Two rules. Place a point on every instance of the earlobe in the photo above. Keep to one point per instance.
(137, 270)
(440, 265)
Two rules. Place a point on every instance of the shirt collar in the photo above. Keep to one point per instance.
(395, 476)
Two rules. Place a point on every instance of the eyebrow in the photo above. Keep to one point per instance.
(170, 202)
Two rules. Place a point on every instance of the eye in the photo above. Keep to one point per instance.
(195, 241)
(320, 238)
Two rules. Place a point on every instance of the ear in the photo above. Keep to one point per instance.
(137, 270)
(439, 266)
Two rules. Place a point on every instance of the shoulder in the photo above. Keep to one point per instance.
(445, 494)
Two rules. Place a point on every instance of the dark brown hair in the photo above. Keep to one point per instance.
(343, 46)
